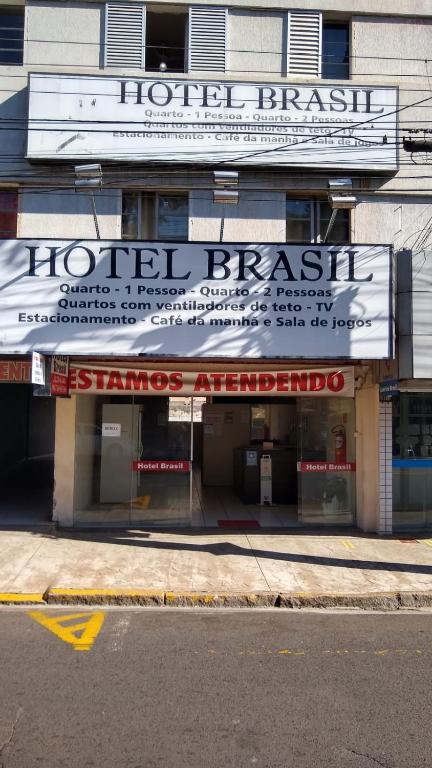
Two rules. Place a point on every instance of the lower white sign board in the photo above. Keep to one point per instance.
(196, 299)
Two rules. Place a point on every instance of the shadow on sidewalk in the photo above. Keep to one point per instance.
(145, 540)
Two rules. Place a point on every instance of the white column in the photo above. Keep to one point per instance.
(367, 457)
(64, 461)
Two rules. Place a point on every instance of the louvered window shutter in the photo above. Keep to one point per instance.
(124, 35)
(207, 38)
(304, 43)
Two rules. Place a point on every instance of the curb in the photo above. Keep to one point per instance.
(222, 600)
(22, 598)
(148, 597)
(379, 601)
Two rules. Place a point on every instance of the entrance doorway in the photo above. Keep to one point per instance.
(26, 456)
(236, 437)
(175, 461)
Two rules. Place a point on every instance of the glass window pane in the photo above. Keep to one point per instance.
(173, 217)
(8, 200)
(298, 216)
(412, 426)
(327, 460)
(8, 213)
(412, 461)
(165, 41)
(11, 38)
(340, 230)
(130, 215)
(335, 60)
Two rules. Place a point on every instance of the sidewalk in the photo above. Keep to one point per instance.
(214, 568)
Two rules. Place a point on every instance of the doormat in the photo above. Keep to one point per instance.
(238, 524)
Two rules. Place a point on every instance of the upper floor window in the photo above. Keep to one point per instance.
(308, 220)
(174, 38)
(11, 36)
(155, 216)
(165, 38)
(8, 213)
(316, 47)
(335, 51)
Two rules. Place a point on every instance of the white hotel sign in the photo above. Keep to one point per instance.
(196, 299)
(191, 121)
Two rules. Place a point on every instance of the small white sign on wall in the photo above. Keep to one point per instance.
(38, 369)
(109, 429)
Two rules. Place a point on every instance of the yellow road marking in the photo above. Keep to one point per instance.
(428, 542)
(106, 592)
(13, 597)
(81, 634)
(347, 543)
(380, 652)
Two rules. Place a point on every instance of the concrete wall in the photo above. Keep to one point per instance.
(388, 7)
(64, 461)
(60, 34)
(395, 52)
(256, 43)
(390, 39)
(67, 36)
(259, 216)
(69, 214)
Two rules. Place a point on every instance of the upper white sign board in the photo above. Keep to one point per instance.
(195, 299)
(191, 121)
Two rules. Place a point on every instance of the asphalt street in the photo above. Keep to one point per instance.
(214, 688)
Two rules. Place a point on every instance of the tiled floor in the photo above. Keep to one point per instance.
(211, 504)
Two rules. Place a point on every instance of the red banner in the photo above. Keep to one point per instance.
(169, 465)
(334, 382)
(325, 466)
(15, 371)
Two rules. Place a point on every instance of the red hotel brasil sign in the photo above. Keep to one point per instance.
(168, 465)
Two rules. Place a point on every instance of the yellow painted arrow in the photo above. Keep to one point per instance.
(81, 633)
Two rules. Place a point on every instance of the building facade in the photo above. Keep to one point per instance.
(220, 214)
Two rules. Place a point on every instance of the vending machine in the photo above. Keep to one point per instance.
(121, 446)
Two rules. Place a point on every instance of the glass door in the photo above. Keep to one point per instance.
(132, 460)
(162, 471)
